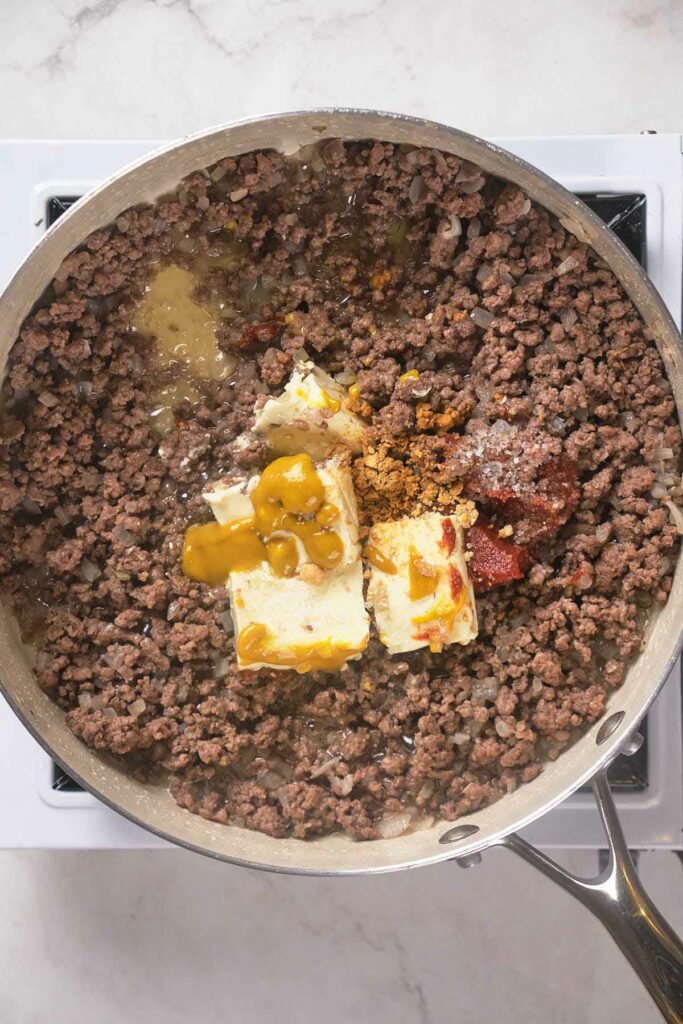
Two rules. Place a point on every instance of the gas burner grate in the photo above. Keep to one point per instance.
(62, 782)
(625, 214)
(56, 206)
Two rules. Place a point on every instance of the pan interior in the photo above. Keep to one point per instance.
(152, 806)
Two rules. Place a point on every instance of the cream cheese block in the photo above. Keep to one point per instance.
(230, 501)
(292, 624)
(310, 416)
(419, 588)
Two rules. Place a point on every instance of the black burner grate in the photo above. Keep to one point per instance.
(56, 206)
(626, 215)
(63, 782)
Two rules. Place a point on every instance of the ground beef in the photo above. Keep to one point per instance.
(371, 258)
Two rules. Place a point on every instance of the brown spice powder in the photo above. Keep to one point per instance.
(392, 479)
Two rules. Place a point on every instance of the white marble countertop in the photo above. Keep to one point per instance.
(164, 68)
(173, 938)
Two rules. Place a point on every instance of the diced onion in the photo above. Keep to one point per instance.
(31, 506)
(89, 571)
(220, 668)
(325, 767)
(300, 266)
(602, 533)
(676, 515)
(345, 378)
(474, 228)
(342, 786)
(568, 317)
(123, 536)
(395, 824)
(62, 516)
(114, 657)
(485, 689)
(468, 187)
(481, 317)
(172, 610)
(485, 271)
(417, 188)
(570, 263)
(454, 229)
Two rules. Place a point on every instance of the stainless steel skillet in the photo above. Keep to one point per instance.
(616, 897)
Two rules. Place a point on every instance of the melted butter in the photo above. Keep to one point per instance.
(184, 329)
(254, 645)
(211, 551)
(289, 498)
(166, 400)
(379, 560)
(422, 576)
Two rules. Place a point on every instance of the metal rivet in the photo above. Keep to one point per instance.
(471, 861)
(610, 726)
(459, 832)
(632, 744)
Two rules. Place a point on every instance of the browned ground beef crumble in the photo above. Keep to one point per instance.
(359, 244)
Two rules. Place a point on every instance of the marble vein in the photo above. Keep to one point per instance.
(321, 25)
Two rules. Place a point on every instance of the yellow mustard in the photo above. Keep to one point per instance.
(283, 556)
(289, 499)
(409, 375)
(332, 405)
(213, 550)
(253, 646)
(422, 576)
(380, 560)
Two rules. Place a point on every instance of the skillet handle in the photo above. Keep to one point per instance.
(619, 901)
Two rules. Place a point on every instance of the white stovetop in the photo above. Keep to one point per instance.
(162, 935)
